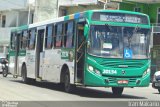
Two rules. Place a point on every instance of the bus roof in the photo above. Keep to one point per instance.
(78, 15)
(19, 28)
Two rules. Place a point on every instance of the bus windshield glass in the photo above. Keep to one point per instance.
(118, 42)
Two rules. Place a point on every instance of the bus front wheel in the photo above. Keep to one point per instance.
(117, 91)
(67, 86)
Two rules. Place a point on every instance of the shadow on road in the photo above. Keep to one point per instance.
(83, 92)
(156, 93)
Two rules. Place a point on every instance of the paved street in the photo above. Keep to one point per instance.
(14, 90)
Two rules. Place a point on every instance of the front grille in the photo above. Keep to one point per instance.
(112, 80)
(123, 63)
(132, 80)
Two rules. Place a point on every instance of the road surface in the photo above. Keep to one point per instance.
(12, 89)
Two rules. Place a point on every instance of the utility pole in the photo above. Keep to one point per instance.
(57, 8)
(29, 12)
(106, 2)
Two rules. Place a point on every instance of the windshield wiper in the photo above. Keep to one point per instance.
(136, 29)
(108, 27)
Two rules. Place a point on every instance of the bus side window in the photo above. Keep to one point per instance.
(21, 40)
(69, 39)
(28, 38)
(24, 39)
(53, 36)
(12, 40)
(11, 44)
(48, 38)
(65, 35)
(59, 32)
(32, 39)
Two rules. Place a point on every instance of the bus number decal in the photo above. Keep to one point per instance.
(110, 72)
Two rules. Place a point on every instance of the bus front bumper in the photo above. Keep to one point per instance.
(92, 79)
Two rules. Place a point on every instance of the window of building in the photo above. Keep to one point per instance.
(24, 39)
(1, 49)
(48, 39)
(20, 38)
(156, 39)
(158, 16)
(32, 39)
(13, 39)
(59, 33)
(137, 9)
(3, 21)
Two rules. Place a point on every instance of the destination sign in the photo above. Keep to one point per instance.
(120, 17)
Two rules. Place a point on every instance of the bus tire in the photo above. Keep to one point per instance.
(117, 91)
(24, 74)
(5, 72)
(67, 86)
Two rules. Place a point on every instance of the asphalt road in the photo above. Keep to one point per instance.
(12, 89)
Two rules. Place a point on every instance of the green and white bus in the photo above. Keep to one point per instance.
(98, 48)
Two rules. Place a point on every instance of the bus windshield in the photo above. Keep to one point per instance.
(115, 41)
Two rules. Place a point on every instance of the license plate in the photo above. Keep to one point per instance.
(157, 84)
(122, 81)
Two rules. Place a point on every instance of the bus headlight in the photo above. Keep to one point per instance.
(91, 69)
(146, 72)
(97, 72)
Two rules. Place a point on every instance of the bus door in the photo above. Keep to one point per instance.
(80, 52)
(17, 47)
(39, 52)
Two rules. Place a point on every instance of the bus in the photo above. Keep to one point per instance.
(95, 48)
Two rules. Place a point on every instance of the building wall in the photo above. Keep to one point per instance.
(131, 6)
(45, 9)
(150, 9)
(23, 18)
(80, 8)
(16, 15)
(10, 18)
(153, 12)
(13, 19)
(12, 4)
(4, 36)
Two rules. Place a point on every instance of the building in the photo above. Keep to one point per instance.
(73, 6)
(45, 9)
(13, 14)
(49, 9)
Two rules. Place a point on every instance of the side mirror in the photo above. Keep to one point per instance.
(151, 41)
(88, 44)
(86, 29)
